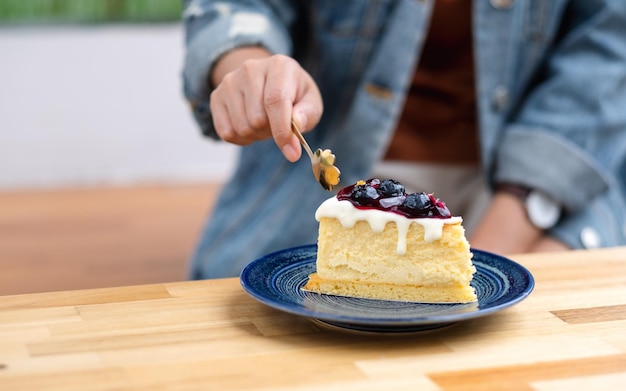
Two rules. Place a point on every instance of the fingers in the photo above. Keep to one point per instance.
(308, 108)
(278, 99)
(258, 100)
(235, 105)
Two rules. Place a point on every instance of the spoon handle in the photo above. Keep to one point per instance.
(296, 131)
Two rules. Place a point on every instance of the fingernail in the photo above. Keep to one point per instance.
(289, 153)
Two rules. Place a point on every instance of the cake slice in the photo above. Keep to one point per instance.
(375, 241)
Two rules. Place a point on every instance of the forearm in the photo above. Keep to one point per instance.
(506, 229)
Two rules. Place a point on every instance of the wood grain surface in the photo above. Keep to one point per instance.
(570, 333)
(53, 240)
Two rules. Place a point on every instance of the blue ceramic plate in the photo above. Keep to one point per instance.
(277, 280)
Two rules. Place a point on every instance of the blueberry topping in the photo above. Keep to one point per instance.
(418, 204)
(387, 203)
(390, 188)
(364, 195)
(442, 209)
(389, 195)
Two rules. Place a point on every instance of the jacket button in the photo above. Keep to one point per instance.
(502, 4)
(500, 98)
(590, 238)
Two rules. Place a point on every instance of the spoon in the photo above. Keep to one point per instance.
(322, 162)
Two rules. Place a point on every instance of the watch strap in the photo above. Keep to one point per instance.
(518, 191)
(542, 211)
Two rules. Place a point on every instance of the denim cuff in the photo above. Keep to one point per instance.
(541, 160)
(596, 225)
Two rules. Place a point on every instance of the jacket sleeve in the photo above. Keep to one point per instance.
(568, 136)
(212, 28)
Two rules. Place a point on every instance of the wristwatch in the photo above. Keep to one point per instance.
(543, 211)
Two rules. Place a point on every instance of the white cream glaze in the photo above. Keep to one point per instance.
(348, 215)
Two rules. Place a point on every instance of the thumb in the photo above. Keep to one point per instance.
(308, 106)
(306, 115)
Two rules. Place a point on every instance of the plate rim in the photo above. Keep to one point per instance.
(337, 319)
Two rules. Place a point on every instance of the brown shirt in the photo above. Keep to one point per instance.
(438, 124)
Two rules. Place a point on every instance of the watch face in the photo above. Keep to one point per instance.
(543, 211)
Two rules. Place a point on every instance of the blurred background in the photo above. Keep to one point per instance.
(97, 146)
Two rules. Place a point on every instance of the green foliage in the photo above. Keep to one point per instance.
(88, 11)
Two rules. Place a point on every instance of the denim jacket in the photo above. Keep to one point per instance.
(551, 101)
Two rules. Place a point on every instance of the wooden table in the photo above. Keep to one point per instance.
(569, 334)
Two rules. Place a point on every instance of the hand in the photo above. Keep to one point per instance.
(505, 229)
(258, 95)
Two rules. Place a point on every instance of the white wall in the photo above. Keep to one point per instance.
(92, 106)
